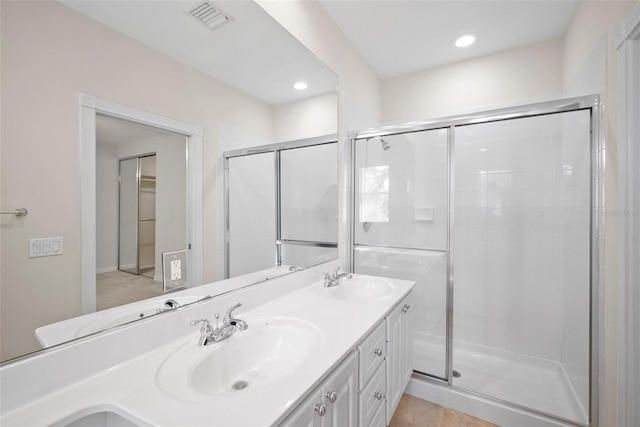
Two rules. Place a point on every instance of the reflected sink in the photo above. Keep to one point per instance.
(268, 351)
(120, 315)
(362, 289)
(66, 330)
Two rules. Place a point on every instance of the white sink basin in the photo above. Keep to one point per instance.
(268, 351)
(362, 289)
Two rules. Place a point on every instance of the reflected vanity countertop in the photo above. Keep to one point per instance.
(133, 386)
(70, 329)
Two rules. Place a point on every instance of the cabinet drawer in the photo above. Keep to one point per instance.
(372, 350)
(372, 397)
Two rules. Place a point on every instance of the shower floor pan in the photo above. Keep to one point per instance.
(530, 382)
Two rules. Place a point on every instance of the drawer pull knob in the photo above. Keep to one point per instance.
(321, 409)
(378, 395)
(406, 308)
(377, 352)
(332, 396)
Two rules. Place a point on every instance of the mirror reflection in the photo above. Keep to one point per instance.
(141, 208)
(235, 83)
(282, 204)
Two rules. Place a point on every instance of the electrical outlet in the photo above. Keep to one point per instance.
(176, 269)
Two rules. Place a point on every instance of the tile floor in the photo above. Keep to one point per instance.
(415, 412)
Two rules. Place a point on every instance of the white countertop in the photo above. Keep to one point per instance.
(131, 386)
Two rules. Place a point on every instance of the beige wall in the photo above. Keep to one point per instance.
(316, 116)
(50, 54)
(593, 22)
(531, 72)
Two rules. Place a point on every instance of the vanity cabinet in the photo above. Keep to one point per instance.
(372, 352)
(364, 390)
(334, 403)
(399, 353)
(386, 364)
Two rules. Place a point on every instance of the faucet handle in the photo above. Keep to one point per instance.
(228, 315)
(171, 303)
(206, 325)
(327, 279)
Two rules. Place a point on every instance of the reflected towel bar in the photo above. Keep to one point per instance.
(17, 212)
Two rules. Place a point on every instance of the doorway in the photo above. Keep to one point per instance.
(91, 109)
(141, 208)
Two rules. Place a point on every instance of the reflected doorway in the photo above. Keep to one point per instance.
(141, 208)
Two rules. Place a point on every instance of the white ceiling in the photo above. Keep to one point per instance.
(398, 37)
(256, 55)
(252, 53)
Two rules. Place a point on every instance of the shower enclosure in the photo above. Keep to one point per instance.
(491, 215)
(281, 205)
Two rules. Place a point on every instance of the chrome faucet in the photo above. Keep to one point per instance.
(331, 280)
(169, 304)
(209, 334)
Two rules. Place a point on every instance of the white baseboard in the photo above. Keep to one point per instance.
(106, 269)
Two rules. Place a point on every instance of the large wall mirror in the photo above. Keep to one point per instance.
(225, 67)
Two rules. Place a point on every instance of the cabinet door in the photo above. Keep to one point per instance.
(340, 393)
(306, 414)
(399, 353)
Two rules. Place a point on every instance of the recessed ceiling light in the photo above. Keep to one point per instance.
(466, 40)
(300, 85)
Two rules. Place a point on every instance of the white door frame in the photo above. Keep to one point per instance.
(89, 107)
(628, 46)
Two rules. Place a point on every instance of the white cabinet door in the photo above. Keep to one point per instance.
(399, 353)
(306, 414)
(334, 403)
(340, 392)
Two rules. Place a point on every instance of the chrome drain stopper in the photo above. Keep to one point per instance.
(240, 385)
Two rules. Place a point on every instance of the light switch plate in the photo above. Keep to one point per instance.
(45, 247)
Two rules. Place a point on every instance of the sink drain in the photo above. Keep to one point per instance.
(240, 385)
(456, 374)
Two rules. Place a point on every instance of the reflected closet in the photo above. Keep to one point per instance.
(137, 215)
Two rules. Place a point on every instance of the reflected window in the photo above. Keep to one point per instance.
(374, 194)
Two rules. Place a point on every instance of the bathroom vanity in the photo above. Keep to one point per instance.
(310, 355)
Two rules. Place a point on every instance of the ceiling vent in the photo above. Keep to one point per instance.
(209, 14)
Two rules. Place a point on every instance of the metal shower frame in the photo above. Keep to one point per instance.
(276, 149)
(597, 170)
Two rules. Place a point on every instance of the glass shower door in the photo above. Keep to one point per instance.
(251, 214)
(401, 222)
(522, 262)
(308, 205)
